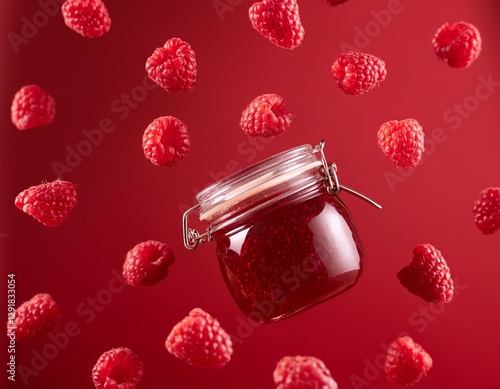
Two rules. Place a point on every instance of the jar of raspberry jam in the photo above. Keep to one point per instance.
(285, 241)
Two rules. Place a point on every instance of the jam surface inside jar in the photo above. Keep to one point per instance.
(291, 257)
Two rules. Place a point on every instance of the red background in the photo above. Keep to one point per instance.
(124, 199)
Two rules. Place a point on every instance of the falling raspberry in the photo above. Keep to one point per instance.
(428, 275)
(302, 373)
(402, 141)
(266, 116)
(406, 362)
(147, 263)
(49, 203)
(457, 44)
(35, 318)
(173, 66)
(358, 73)
(279, 21)
(89, 18)
(32, 107)
(486, 210)
(118, 368)
(166, 141)
(200, 341)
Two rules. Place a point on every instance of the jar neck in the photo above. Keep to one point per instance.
(293, 175)
(240, 217)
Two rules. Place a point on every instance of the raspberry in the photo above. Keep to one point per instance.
(35, 318)
(166, 141)
(32, 107)
(266, 116)
(118, 368)
(406, 361)
(302, 373)
(486, 210)
(278, 21)
(49, 203)
(428, 275)
(402, 141)
(173, 66)
(147, 263)
(358, 73)
(200, 341)
(334, 2)
(89, 18)
(457, 44)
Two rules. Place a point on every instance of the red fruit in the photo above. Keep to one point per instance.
(278, 21)
(147, 263)
(49, 203)
(200, 341)
(89, 18)
(358, 73)
(173, 66)
(457, 44)
(118, 368)
(402, 141)
(266, 116)
(35, 318)
(334, 2)
(486, 210)
(428, 275)
(166, 141)
(32, 107)
(302, 373)
(406, 361)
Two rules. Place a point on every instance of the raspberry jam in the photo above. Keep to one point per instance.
(285, 242)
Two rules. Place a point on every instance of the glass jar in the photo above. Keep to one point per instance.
(285, 241)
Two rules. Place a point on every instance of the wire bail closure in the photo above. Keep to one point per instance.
(333, 187)
(192, 237)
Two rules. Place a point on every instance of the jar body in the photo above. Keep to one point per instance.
(287, 258)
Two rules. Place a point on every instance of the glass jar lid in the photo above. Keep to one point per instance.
(272, 179)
